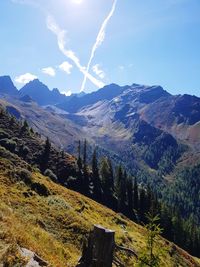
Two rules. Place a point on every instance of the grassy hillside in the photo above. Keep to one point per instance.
(58, 128)
(53, 221)
(45, 217)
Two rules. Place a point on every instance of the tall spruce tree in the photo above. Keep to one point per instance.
(136, 197)
(106, 180)
(111, 183)
(45, 156)
(79, 159)
(121, 188)
(97, 191)
(142, 206)
(86, 182)
(130, 197)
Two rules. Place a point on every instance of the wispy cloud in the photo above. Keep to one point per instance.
(99, 40)
(96, 69)
(49, 71)
(52, 25)
(25, 78)
(66, 67)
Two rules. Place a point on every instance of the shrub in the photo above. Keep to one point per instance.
(41, 189)
(3, 134)
(25, 176)
(51, 175)
(23, 151)
(9, 144)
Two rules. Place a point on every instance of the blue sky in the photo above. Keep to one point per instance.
(148, 42)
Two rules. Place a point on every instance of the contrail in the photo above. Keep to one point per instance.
(98, 42)
(51, 24)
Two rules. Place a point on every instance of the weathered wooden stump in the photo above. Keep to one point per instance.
(99, 250)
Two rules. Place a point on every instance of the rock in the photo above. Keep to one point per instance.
(33, 259)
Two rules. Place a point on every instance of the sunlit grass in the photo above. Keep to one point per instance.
(55, 226)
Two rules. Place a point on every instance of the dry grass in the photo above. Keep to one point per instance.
(55, 226)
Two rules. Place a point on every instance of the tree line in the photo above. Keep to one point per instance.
(112, 186)
(116, 189)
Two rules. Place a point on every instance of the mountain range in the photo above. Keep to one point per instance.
(157, 132)
(153, 134)
(114, 117)
(43, 223)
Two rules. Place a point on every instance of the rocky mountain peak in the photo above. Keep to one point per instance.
(7, 86)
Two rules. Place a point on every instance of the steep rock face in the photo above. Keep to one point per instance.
(41, 94)
(118, 126)
(26, 99)
(105, 93)
(187, 109)
(7, 86)
(178, 115)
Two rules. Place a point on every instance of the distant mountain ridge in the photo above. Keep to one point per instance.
(7, 86)
(151, 132)
(178, 115)
(41, 94)
(106, 93)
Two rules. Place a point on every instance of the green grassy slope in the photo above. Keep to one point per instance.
(53, 221)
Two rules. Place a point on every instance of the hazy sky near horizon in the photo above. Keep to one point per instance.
(106, 41)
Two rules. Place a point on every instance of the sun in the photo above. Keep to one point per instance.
(77, 1)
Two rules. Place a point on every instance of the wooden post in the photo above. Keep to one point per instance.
(100, 248)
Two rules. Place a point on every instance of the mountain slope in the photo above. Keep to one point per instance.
(142, 127)
(41, 94)
(54, 221)
(62, 131)
(7, 86)
(178, 115)
(105, 93)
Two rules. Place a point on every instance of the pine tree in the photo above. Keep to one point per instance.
(130, 196)
(119, 177)
(151, 256)
(95, 177)
(135, 189)
(45, 155)
(79, 160)
(25, 127)
(85, 154)
(85, 171)
(106, 180)
(47, 147)
(121, 188)
(111, 183)
(142, 204)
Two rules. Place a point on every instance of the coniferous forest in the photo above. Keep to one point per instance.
(121, 192)
(112, 186)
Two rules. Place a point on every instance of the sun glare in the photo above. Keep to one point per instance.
(77, 1)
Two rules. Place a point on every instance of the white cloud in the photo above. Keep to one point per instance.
(51, 25)
(25, 78)
(68, 93)
(66, 67)
(99, 40)
(96, 69)
(49, 71)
